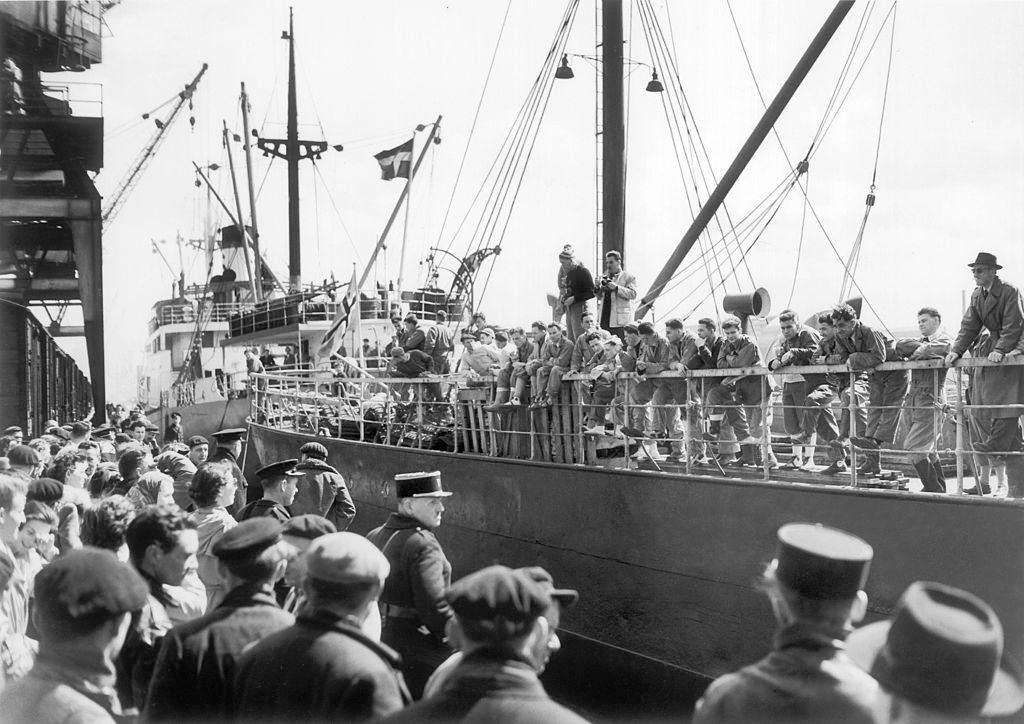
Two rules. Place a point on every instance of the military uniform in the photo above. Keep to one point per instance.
(414, 610)
(263, 508)
(808, 677)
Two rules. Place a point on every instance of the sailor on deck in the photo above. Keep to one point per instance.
(815, 585)
(229, 449)
(413, 604)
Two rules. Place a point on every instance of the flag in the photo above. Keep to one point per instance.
(336, 332)
(395, 162)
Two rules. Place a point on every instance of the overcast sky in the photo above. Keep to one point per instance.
(950, 175)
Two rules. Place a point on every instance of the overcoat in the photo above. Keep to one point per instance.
(322, 491)
(1001, 312)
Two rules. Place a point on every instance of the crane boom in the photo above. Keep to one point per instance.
(138, 167)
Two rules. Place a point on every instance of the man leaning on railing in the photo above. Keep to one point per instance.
(998, 307)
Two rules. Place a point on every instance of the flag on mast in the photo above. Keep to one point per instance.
(395, 162)
(333, 336)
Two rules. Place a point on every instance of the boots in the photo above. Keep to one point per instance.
(872, 463)
(940, 477)
(926, 472)
(747, 456)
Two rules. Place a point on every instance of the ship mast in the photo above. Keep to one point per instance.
(293, 150)
(613, 133)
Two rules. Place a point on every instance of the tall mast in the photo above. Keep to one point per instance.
(294, 246)
(257, 257)
(613, 142)
(293, 150)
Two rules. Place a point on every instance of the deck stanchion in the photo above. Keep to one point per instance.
(687, 424)
(766, 430)
(960, 421)
(853, 428)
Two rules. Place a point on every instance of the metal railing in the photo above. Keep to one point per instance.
(452, 413)
(188, 313)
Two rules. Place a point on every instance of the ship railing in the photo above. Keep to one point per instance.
(231, 386)
(453, 413)
(191, 313)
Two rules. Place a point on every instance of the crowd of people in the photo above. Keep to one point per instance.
(120, 605)
(729, 417)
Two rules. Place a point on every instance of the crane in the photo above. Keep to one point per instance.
(138, 167)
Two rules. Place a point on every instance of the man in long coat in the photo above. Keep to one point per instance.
(998, 307)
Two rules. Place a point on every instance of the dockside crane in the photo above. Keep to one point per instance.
(128, 183)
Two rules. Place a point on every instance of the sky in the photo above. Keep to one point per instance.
(950, 147)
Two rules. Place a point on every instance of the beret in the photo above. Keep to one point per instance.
(565, 596)
(22, 455)
(308, 526)
(645, 328)
(819, 562)
(249, 538)
(45, 490)
(507, 601)
(196, 440)
(314, 450)
(88, 585)
(81, 428)
(346, 558)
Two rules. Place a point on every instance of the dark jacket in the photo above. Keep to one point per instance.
(483, 688)
(223, 455)
(196, 663)
(807, 678)
(322, 491)
(416, 339)
(263, 508)
(804, 347)
(420, 572)
(417, 364)
(867, 347)
(323, 668)
(579, 284)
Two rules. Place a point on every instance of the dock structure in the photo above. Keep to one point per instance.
(51, 139)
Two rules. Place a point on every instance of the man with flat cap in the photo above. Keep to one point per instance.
(229, 450)
(939, 659)
(196, 663)
(300, 532)
(104, 436)
(84, 603)
(322, 490)
(279, 482)
(198, 449)
(816, 588)
(325, 667)
(996, 306)
(414, 608)
(504, 627)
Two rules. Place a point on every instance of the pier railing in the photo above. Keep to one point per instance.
(456, 413)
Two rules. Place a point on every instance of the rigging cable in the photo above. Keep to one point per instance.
(472, 127)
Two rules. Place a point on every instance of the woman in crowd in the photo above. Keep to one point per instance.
(105, 523)
(212, 490)
(152, 488)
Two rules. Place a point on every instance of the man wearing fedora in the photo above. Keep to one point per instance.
(997, 306)
(816, 588)
(414, 608)
(939, 659)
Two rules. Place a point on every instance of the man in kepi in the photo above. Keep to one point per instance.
(280, 482)
(504, 626)
(939, 658)
(998, 307)
(415, 610)
(325, 667)
(229, 450)
(816, 588)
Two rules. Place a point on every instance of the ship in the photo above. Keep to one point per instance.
(667, 556)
